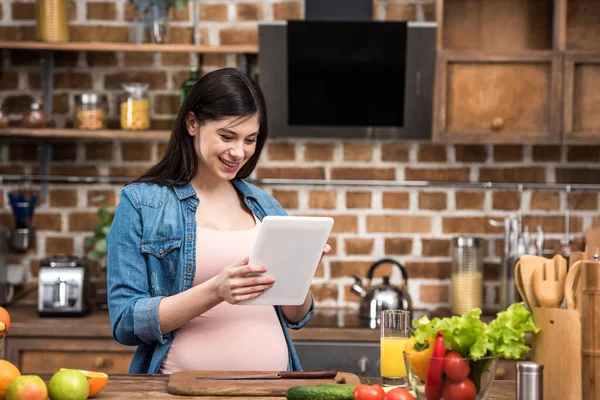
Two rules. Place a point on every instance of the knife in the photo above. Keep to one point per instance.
(281, 375)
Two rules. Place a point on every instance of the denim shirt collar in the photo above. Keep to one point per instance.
(183, 192)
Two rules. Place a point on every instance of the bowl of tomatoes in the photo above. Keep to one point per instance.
(450, 377)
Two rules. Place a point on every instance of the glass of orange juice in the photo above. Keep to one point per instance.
(395, 333)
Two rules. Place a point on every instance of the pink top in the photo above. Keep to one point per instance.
(227, 337)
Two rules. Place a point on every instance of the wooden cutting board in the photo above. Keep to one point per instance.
(187, 383)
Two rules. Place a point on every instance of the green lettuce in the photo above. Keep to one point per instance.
(472, 338)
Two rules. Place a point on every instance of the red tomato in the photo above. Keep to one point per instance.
(369, 392)
(399, 394)
(456, 367)
(452, 390)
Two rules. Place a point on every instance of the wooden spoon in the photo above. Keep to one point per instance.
(549, 282)
(527, 265)
(573, 287)
(519, 284)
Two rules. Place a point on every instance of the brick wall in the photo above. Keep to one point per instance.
(414, 226)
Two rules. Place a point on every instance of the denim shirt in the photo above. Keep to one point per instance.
(152, 254)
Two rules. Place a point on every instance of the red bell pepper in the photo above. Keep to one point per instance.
(433, 384)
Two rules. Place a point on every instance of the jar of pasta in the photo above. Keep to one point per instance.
(135, 107)
(90, 111)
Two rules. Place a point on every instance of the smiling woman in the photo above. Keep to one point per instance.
(179, 244)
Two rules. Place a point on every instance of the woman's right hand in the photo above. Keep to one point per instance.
(233, 284)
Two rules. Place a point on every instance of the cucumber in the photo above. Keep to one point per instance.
(321, 392)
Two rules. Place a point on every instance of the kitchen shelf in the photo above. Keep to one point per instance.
(85, 134)
(128, 47)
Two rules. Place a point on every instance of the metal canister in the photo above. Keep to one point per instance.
(530, 381)
(467, 274)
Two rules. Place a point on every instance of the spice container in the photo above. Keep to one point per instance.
(467, 274)
(135, 107)
(34, 117)
(52, 20)
(530, 381)
(90, 111)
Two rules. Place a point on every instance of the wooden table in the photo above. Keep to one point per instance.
(154, 387)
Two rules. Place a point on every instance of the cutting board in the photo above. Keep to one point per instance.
(186, 383)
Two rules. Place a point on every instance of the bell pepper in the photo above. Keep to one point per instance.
(418, 356)
(433, 384)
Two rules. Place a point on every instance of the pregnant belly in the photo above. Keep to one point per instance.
(230, 338)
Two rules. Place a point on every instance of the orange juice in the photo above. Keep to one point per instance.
(392, 357)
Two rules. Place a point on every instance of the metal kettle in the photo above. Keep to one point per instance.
(381, 297)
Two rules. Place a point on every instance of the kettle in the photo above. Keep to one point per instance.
(382, 297)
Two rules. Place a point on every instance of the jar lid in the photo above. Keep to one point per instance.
(90, 98)
(36, 105)
(529, 367)
(464, 241)
(135, 87)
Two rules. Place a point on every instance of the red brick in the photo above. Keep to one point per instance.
(358, 200)
(432, 201)
(162, 149)
(287, 198)
(156, 79)
(429, 269)
(176, 59)
(238, 36)
(550, 153)
(16, 104)
(429, 12)
(9, 80)
(18, 33)
(545, 201)
(395, 152)
(432, 153)
(437, 174)
(216, 60)
(281, 151)
(1, 12)
(468, 225)
(584, 201)
(59, 245)
(102, 59)
(47, 221)
(136, 151)
(400, 12)
(99, 151)
(214, 12)
(1, 199)
(180, 35)
(358, 152)
(505, 200)
(102, 10)
(398, 246)
(343, 173)
(166, 104)
(332, 241)
(322, 199)
(553, 224)
(287, 11)
(23, 11)
(290, 173)
(60, 103)
(99, 33)
(340, 269)
(127, 172)
(71, 170)
(398, 223)
(82, 221)
(345, 224)
(435, 247)
(18, 151)
(140, 59)
(179, 14)
(64, 151)
(469, 200)
(433, 293)
(324, 292)
(318, 152)
(515, 175)
(577, 175)
(586, 153)
(108, 198)
(63, 198)
(359, 246)
(395, 200)
(508, 153)
(470, 153)
(249, 11)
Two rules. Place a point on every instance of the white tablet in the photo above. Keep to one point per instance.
(290, 248)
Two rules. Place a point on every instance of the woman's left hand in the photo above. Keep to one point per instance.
(326, 250)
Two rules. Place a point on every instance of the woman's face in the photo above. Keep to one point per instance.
(224, 146)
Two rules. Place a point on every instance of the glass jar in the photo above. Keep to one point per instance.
(3, 118)
(135, 107)
(90, 111)
(467, 274)
(34, 117)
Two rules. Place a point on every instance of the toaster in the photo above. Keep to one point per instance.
(63, 287)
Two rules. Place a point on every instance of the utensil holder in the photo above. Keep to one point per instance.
(22, 239)
(558, 346)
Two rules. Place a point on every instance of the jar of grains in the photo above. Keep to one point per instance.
(135, 107)
(90, 111)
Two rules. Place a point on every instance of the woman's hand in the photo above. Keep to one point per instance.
(233, 284)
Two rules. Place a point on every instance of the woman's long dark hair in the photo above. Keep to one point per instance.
(219, 94)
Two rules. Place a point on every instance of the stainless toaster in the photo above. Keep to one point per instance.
(63, 286)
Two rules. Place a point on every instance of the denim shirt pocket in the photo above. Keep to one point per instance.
(162, 256)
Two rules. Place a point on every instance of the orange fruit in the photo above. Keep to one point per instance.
(8, 372)
(96, 380)
(4, 317)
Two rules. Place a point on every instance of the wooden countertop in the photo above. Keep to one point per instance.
(155, 387)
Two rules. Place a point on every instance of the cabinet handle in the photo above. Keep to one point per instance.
(497, 123)
(500, 372)
(100, 362)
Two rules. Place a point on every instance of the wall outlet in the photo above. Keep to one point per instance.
(16, 275)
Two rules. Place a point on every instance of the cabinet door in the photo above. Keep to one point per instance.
(582, 98)
(38, 355)
(498, 99)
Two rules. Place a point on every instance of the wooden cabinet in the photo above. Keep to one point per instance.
(48, 355)
(499, 72)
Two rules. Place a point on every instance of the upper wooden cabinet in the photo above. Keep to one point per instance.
(499, 73)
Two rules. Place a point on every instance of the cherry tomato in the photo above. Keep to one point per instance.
(456, 367)
(399, 394)
(452, 390)
(369, 392)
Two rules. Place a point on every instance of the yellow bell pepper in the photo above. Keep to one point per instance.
(419, 357)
